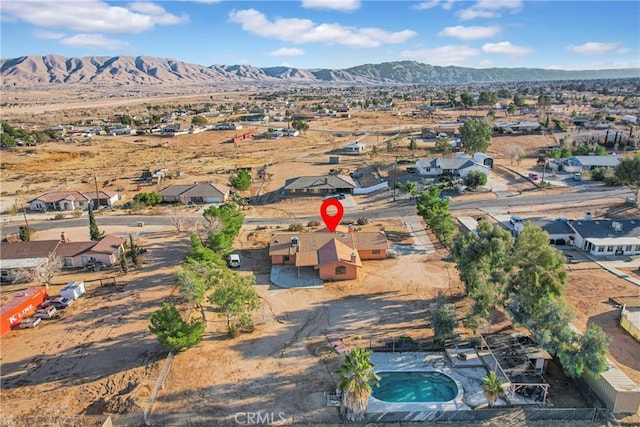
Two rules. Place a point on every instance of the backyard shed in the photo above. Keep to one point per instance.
(616, 390)
(73, 290)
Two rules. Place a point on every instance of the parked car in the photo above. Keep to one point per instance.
(30, 322)
(233, 261)
(577, 177)
(534, 176)
(515, 219)
(46, 313)
(59, 303)
(412, 169)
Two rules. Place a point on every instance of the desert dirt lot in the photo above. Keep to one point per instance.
(101, 358)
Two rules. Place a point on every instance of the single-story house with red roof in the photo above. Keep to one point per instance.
(336, 256)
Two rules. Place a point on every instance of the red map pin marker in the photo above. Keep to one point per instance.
(331, 221)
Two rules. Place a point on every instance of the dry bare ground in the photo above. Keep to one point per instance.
(101, 358)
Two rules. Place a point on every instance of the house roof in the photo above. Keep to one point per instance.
(553, 226)
(207, 189)
(79, 196)
(602, 229)
(608, 161)
(204, 189)
(323, 182)
(447, 164)
(108, 244)
(174, 190)
(71, 249)
(30, 249)
(56, 196)
(312, 242)
(336, 251)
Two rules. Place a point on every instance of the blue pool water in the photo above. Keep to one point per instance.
(415, 387)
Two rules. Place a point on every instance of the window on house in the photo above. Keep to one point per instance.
(341, 269)
(68, 262)
(628, 248)
(376, 251)
(286, 258)
(600, 248)
(609, 248)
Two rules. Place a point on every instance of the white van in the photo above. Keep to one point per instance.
(234, 261)
(577, 177)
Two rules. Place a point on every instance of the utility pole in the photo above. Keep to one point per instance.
(95, 180)
(24, 213)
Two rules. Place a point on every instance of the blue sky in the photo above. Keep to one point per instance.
(561, 34)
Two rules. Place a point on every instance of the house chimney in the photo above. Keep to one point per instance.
(353, 256)
(64, 238)
(294, 242)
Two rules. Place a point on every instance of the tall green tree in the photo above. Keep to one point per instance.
(527, 277)
(435, 212)
(300, 125)
(26, 233)
(492, 388)
(94, 231)
(475, 136)
(237, 298)
(172, 332)
(467, 100)
(357, 378)
(134, 251)
(487, 97)
(224, 222)
(628, 173)
(443, 145)
(484, 262)
(443, 320)
(124, 265)
(475, 179)
(241, 180)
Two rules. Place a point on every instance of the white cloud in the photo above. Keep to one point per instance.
(301, 31)
(425, 5)
(489, 9)
(286, 51)
(593, 48)
(91, 15)
(623, 51)
(505, 48)
(205, 1)
(94, 41)
(469, 33)
(48, 35)
(443, 55)
(343, 5)
(499, 4)
(471, 13)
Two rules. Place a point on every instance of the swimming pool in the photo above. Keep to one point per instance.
(414, 387)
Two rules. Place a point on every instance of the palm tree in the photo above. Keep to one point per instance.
(492, 388)
(356, 378)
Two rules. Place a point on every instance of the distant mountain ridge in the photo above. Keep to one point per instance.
(29, 71)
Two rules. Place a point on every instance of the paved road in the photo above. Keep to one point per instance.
(398, 209)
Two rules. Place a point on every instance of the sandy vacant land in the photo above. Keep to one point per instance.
(101, 358)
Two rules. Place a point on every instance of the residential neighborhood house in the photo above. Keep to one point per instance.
(336, 256)
(319, 185)
(71, 200)
(205, 192)
(33, 257)
(456, 167)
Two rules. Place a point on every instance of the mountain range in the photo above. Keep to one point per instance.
(44, 71)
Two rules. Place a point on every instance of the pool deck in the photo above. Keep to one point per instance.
(467, 378)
